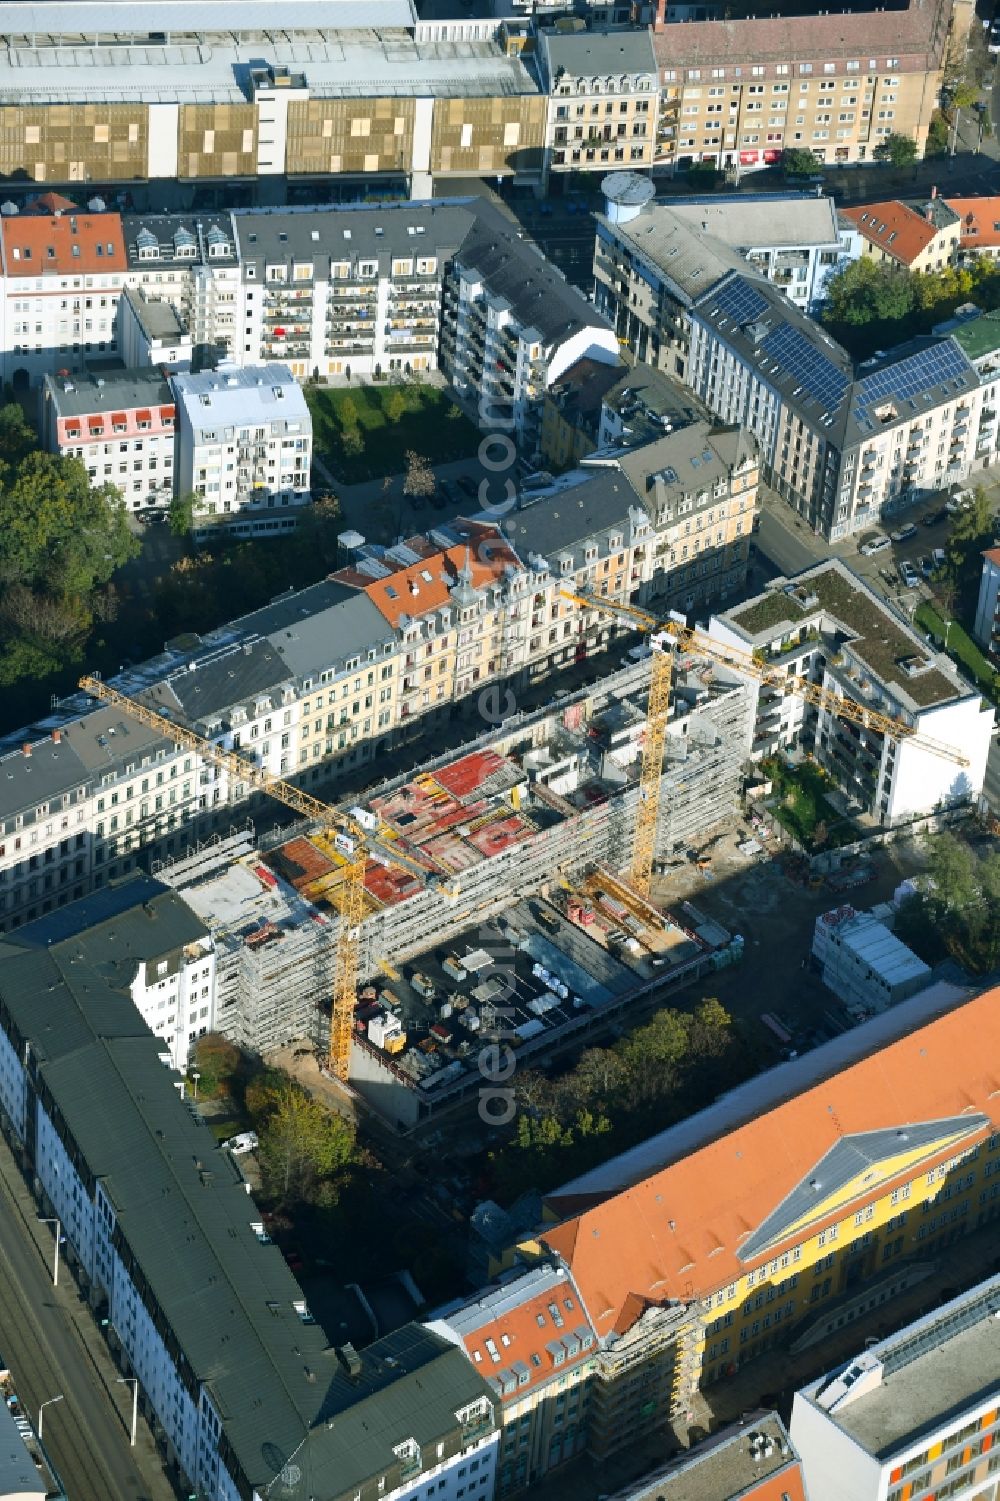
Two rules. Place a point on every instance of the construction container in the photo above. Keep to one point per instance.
(396, 1043)
(452, 967)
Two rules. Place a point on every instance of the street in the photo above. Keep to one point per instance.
(49, 1341)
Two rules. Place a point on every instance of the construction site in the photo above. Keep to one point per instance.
(493, 901)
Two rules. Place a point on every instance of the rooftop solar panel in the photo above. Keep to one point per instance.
(740, 301)
(915, 375)
(799, 358)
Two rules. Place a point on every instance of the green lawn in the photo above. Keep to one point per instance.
(430, 424)
(802, 805)
(961, 647)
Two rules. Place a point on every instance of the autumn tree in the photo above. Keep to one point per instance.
(898, 150)
(217, 1061)
(305, 1149)
(418, 479)
(180, 516)
(393, 404)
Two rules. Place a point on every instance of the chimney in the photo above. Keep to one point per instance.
(933, 192)
(57, 736)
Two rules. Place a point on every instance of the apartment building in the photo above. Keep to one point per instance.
(807, 1198)
(894, 234)
(512, 326)
(653, 262)
(120, 425)
(642, 405)
(755, 1461)
(737, 91)
(977, 226)
(244, 448)
(987, 627)
(152, 332)
(392, 103)
(62, 278)
(602, 87)
(191, 263)
(701, 494)
(914, 1414)
(168, 1248)
(829, 627)
(842, 446)
(571, 412)
(531, 1340)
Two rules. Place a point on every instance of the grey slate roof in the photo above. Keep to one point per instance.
(112, 391)
(234, 678)
(133, 921)
(816, 377)
(562, 519)
(685, 258)
(182, 1209)
(324, 635)
(690, 459)
(585, 54)
(851, 1155)
(538, 295)
(354, 231)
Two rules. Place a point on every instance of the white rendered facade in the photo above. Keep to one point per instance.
(244, 448)
(176, 997)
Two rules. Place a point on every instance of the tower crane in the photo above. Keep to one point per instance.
(666, 633)
(350, 840)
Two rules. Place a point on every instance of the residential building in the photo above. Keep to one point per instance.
(896, 235)
(172, 1256)
(120, 425)
(531, 1339)
(978, 219)
(642, 405)
(376, 100)
(913, 1414)
(737, 90)
(512, 325)
(829, 627)
(571, 412)
(603, 89)
(755, 1461)
(152, 332)
(842, 446)
(801, 1201)
(244, 448)
(155, 948)
(987, 627)
(651, 263)
(62, 278)
(864, 963)
(26, 1471)
(190, 262)
(699, 485)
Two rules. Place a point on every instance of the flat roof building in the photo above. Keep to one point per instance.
(754, 1462)
(913, 1414)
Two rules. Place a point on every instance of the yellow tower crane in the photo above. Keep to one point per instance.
(666, 633)
(348, 837)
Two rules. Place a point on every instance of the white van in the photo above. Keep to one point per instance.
(239, 1145)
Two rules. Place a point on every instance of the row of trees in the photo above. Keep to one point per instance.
(616, 1096)
(896, 150)
(870, 304)
(60, 543)
(956, 910)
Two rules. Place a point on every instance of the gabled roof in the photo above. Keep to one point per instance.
(67, 243)
(894, 227)
(980, 221)
(682, 1232)
(431, 583)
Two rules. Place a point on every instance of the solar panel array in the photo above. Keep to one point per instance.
(818, 376)
(739, 301)
(914, 376)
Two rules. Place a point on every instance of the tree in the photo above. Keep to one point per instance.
(262, 1095)
(898, 150)
(797, 162)
(866, 293)
(17, 436)
(419, 477)
(352, 442)
(347, 413)
(964, 94)
(393, 404)
(217, 1061)
(180, 516)
(56, 533)
(302, 1146)
(937, 135)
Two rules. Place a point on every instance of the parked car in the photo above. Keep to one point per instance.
(909, 575)
(939, 557)
(905, 533)
(934, 518)
(874, 544)
(926, 566)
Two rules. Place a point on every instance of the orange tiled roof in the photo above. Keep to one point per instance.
(427, 585)
(898, 230)
(980, 221)
(37, 245)
(524, 1329)
(675, 1234)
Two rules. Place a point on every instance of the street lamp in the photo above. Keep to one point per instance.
(55, 1262)
(195, 1075)
(41, 1412)
(132, 1381)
